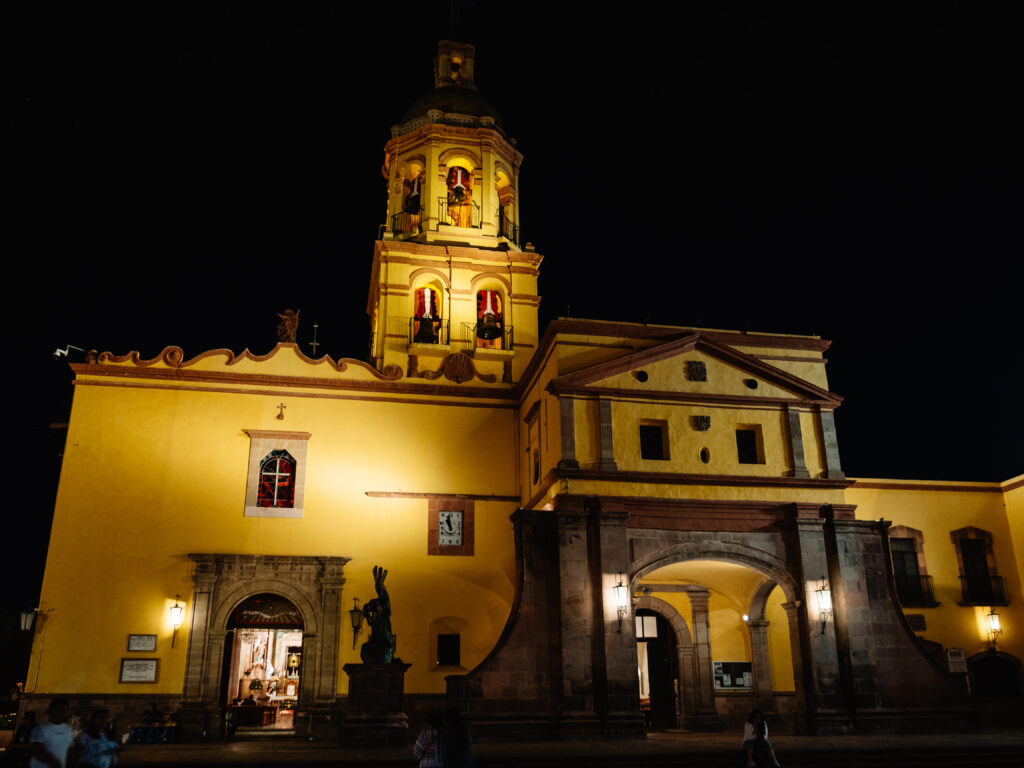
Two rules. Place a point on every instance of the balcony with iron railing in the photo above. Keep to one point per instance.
(983, 590)
(483, 336)
(427, 330)
(915, 590)
(405, 222)
(458, 214)
(506, 228)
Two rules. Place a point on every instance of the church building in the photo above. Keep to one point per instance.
(592, 529)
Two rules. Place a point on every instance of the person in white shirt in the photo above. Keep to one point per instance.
(755, 741)
(51, 741)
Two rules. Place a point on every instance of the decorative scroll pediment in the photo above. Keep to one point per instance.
(460, 368)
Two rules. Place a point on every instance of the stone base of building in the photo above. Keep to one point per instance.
(375, 730)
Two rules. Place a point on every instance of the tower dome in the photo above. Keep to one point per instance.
(454, 99)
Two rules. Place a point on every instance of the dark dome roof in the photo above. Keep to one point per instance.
(452, 98)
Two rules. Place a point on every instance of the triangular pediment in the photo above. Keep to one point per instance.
(693, 366)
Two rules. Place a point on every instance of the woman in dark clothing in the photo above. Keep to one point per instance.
(458, 744)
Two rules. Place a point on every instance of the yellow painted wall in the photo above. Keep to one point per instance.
(779, 642)
(151, 475)
(936, 513)
(1013, 499)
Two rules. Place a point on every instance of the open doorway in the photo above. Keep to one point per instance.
(263, 665)
(658, 670)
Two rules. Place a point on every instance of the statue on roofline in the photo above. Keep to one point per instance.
(288, 328)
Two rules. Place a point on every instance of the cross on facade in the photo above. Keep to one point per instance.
(280, 411)
(314, 343)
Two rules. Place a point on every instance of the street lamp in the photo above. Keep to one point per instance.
(995, 628)
(177, 614)
(824, 603)
(621, 600)
(356, 617)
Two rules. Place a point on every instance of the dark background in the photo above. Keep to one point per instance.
(183, 174)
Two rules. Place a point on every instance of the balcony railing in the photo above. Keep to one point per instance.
(983, 590)
(506, 228)
(914, 590)
(471, 340)
(425, 330)
(404, 222)
(458, 214)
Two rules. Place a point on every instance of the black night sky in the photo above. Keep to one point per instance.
(182, 175)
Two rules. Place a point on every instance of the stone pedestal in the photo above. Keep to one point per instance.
(375, 717)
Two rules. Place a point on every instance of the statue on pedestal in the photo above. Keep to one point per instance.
(380, 648)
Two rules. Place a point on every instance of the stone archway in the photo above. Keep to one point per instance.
(679, 547)
(221, 582)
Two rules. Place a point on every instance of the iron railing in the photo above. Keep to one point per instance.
(403, 222)
(470, 340)
(914, 589)
(458, 214)
(983, 590)
(427, 331)
(506, 228)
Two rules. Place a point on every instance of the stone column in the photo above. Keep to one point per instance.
(796, 443)
(331, 582)
(203, 580)
(706, 714)
(688, 682)
(614, 643)
(797, 644)
(577, 610)
(828, 430)
(607, 452)
(762, 664)
(568, 428)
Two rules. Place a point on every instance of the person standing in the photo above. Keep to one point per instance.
(427, 749)
(457, 741)
(94, 748)
(52, 740)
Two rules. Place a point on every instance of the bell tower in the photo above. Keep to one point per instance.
(451, 274)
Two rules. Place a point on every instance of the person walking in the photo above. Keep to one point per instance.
(52, 740)
(94, 748)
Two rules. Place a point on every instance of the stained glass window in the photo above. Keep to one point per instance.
(277, 480)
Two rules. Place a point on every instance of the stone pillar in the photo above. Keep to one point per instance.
(796, 443)
(688, 682)
(331, 581)
(568, 429)
(827, 710)
(797, 644)
(577, 626)
(828, 431)
(617, 701)
(203, 581)
(762, 664)
(706, 714)
(607, 452)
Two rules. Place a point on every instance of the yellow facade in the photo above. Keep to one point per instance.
(697, 468)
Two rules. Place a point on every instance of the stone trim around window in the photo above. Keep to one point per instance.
(927, 593)
(261, 443)
(996, 591)
(434, 509)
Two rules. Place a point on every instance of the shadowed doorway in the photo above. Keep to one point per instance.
(658, 670)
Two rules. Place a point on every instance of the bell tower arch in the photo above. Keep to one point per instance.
(453, 210)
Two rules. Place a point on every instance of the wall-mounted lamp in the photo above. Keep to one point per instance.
(995, 628)
(746, 619)
(177, 614)
(824, 603)
(28, 618)
(356, 617)
(621, 600)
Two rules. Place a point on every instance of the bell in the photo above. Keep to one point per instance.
(488, 328)
(425, 332)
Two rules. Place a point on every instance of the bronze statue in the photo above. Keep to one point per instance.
(289, 325)
(380, 648)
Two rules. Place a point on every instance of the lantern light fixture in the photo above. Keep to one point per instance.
(824, 594)
(356, 618)
(177, 614)
(621, 600)
(994, 627)
(28, 618)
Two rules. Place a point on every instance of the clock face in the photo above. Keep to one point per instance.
(449, 530)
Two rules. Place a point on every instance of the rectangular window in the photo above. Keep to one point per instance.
(448, 650)
(976, 578)
(749, 448)
(905, 570)
(654, 440)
